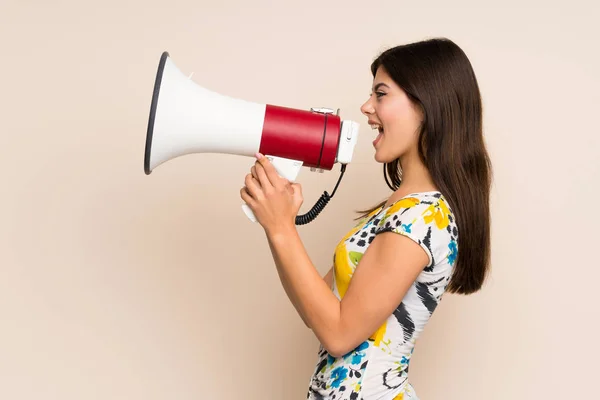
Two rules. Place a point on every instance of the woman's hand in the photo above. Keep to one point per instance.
(274, 200)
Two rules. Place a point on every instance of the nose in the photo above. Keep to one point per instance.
(367, 108)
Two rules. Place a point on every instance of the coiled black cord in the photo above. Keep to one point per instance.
(320, 204)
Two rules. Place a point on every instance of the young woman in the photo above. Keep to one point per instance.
(431, 236)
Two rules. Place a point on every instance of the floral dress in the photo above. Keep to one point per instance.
(378, 367)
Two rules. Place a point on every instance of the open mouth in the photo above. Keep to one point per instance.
(378, 128)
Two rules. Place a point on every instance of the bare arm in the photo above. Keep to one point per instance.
(328, 278)
(386, 271)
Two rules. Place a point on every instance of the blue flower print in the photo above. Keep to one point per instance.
(338, 375)
(358, 353)
(406, 227)
(453, 252)
(357, 357)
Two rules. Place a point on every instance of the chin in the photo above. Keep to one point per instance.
(383, 158)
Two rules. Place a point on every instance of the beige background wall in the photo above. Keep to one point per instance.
(117, 285)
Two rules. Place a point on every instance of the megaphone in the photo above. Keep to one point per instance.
(186, 118)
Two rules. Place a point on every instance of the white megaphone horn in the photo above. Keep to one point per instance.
(186, 118)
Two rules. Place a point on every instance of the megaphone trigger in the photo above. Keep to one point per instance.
(286, 168)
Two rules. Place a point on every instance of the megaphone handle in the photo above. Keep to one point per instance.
(248, 212)
(286, 168)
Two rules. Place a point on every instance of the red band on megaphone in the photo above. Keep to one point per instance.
(301, 135)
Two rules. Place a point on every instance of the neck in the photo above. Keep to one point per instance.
(415, 176)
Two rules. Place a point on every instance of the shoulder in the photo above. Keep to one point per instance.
(427, 219)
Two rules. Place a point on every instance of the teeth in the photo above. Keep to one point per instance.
(376, 127)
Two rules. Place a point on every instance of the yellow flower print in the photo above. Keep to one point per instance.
(342, 269)
(404, 203)
(345, 264)
(437, 212)
(341, 266)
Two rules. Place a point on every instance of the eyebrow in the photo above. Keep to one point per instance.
(380, 85)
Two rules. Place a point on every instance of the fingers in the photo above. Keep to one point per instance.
(245, 195)
(252, 187)
(263, 181)
(261, 174)
(271, 174)
(271, 178)
(254, 172)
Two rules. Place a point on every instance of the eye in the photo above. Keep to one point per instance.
(379, 94)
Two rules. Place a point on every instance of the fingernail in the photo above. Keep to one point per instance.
(258, 156)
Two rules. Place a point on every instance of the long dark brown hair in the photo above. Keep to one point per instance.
(437, 76)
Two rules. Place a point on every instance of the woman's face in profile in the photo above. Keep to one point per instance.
(396, 118)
